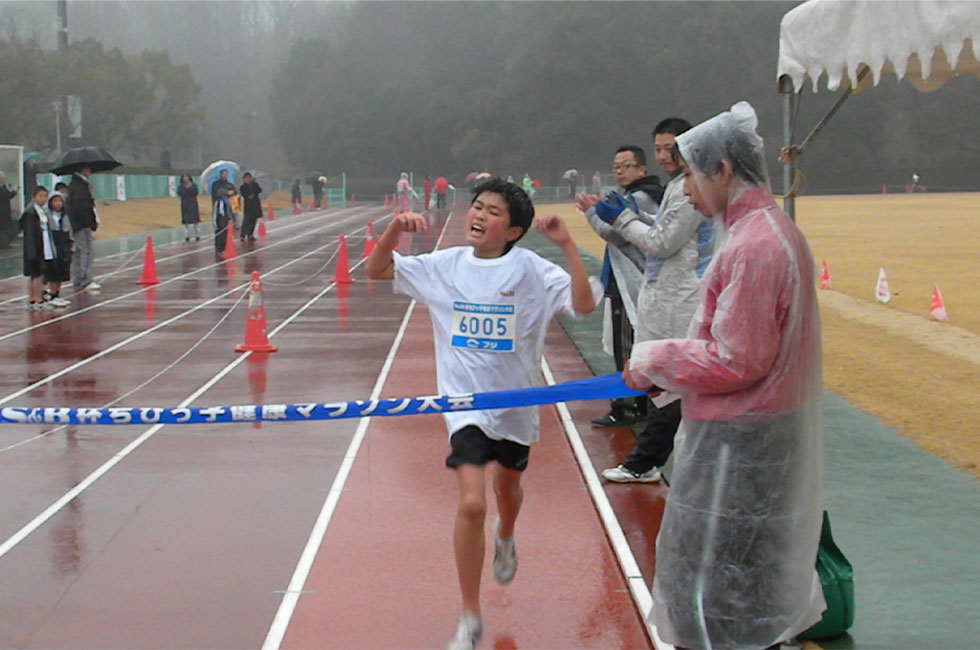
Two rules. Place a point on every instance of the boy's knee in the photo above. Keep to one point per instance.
(472, 507)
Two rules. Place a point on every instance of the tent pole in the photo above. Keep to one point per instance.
(789, 164)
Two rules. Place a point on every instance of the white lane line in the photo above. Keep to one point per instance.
(139, 335)
(51, 510)
(102, 303)
(624, 555)
(277, 630)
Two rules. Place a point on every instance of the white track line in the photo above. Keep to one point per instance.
(139, 335)
(277, 630)
(51, 510)
(102, 303)
(624, 555)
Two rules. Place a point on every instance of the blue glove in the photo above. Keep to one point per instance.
(614, 204)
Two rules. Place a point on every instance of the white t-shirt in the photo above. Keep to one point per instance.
(489, 319)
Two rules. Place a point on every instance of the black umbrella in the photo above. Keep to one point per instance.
(95, 158)
(264, 182)
(312, 176)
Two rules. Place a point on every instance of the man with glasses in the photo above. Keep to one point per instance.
(623, 267)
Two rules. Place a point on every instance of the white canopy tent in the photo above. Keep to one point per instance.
(924, 42)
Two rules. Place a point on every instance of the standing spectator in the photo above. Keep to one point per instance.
(57, 269)
(441, 186)
(623, 265)
(426, 191)
(6, 221)
(668, 298)
(572, 183)
(317, 186)
(220, 187)
(297, 194)
(221, 191)
(190, 214)
(251, 206)
(528, 185)
(223, 217)
(405, 193)
(738, 541)
(38, 247)
(596, 182)
(81, 213)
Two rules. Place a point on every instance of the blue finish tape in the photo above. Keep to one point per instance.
(603, 387)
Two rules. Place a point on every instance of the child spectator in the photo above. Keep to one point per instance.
(490, 305)
(58, 269)
(38, 246)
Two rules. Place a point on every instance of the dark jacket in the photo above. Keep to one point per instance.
(30, 223)
(251, 203)
(220, 188)
(80, 205)
(6, 194)
(297, 193)
(649, 184)
(317, 187)
(189, 212)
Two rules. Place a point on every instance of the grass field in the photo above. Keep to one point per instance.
(893, 361)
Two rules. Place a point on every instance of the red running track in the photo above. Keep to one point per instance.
(186, 537)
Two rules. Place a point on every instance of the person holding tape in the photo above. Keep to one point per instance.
(490, 304)
(737, 547)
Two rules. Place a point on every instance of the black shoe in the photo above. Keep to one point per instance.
(251, 240)
(616, 418)
(187, 238)
(197, 239)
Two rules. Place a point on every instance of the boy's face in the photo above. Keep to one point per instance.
(488, 228)
(41, 198)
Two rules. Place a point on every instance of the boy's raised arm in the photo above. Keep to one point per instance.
(380, 264)
(554, 229)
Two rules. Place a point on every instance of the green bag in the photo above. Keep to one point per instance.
(837, 580)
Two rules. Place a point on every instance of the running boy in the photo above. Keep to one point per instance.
(490, 305)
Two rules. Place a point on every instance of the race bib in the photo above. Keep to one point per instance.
(489, 328)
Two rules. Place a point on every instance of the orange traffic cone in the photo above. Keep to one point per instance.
(262, 231)
(296, 208)
(368, 240)
(149, 265)
(937, 307)
(272, 216)
(256, 339)
(230, 250)
(824, 275)
(340, 273)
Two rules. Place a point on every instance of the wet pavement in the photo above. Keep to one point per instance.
(167, 537)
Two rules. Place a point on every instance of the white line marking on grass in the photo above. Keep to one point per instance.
(277, 630)
(624, 555)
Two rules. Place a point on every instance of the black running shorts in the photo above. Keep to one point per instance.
(470, 446)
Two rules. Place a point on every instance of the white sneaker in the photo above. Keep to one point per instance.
(504, 557)
(58, 302)
(468, 632)
(621, 474)
(93, 286)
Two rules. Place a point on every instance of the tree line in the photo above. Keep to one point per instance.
(138, 104)
(541, 87)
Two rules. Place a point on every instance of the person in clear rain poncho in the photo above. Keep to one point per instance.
(738, 541)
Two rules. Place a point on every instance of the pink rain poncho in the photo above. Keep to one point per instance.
(738, 541)
(405, 193)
